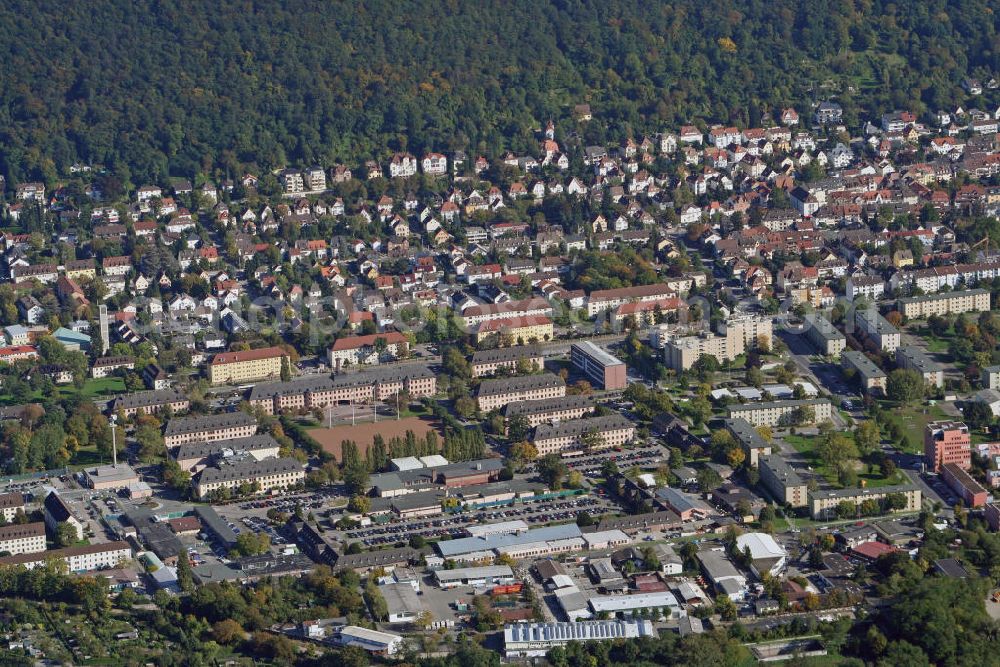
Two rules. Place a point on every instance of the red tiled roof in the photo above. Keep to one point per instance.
(248, 355)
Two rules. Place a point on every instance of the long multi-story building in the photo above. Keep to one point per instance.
(823, 504)
(516, 330)
(877, 329)
(195, 456)
(85, 558)
(936, 278)
(23, 538)
(268, 475)
(550, 410)
(781, 480)
(749, 439)
(609, 299)
(367, 350)
(824, 336)
(499, 392)
(756, 330)
(947, 442)
(681, 354)
(607, 430)
(777, 413)
(964, 301)
(226, 426)
(962, 483)
(247, 366)
(601, 368)
(642, 313)
(150, 402)
(871, 378)
(367, 386)
(487, 362)
(475, 315)
(913, 358)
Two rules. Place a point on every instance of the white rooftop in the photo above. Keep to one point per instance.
(407, 463)
(433, 461)
(612, 603)
(761, 546)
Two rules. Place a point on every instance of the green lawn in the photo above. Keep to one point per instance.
(910, 421)
(92, 388)
(806, 445)
(936, 345)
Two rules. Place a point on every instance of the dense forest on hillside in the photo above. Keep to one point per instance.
(151, 88)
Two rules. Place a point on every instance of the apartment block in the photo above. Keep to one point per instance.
(781, 481)
(755, 329)
(551, 410)
(487, 362)
(150, 402)
(476, 315)
(825, 337)
(913, 358)
(946, 303)
(990, 377)
(499, 392)
(749, 439)
(962, 483)
(10, 505)
(823, 504)
(777, 413)
(247, 366)
(610, 431)
(269, 475)
(609, 299)
(871, 378)
(877, 329)
(367, 350)
(26, 538)
(226, 426)
(947, 442)
(601, 369)
(681, 354)
(85, 558)
(516, 330)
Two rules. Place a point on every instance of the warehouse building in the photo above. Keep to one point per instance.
(535, 640)
(491, 575)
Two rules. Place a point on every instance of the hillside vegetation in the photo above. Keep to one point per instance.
(152, 88)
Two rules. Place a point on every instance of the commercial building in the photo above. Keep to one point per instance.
(488, 362)
(587, 433)
(962, 483)
(534, 640)
(213, 525)
(268, 475)
(766, 555)
(722, 574)
(25, 538)
(681, 354)
(748, 438)
(913, 358)
(499, 392)
(609, 299)
(877, 329)
(225, 426)
(602, 369)
(628, 604)
(402, 602)
(86, 558)
(367, 350)
(150, 402)
(247, 366)
(823, 504)
(535, 542)
(110, 477)
(516, 330)
(947, 442)
(491, 575)
(825, 337)
(10, 505)
(685, 505)
(965, 301)
(777, 413)
(195, 456)
(551, 409)
(781, 481)
(871, 378)
(373, 641)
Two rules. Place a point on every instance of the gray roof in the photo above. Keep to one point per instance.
(780, 468)
(297, 386)
(549, 405)
(745, 433)
(717, 566)
(875, 320)
(502, 354)
(384, 374)
(865, 366)
(450, 548)
(598, 354)
(213, 522)
(185, 425)
(514, 384)
(376, 558)
(918, 359)
(145, 399)
(941, 296)
(577, 427)
(749, 407)
(864, 493)
(823, 327)
(202, 450)
(248, 469)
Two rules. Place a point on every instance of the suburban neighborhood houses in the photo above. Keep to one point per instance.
(711, 379)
